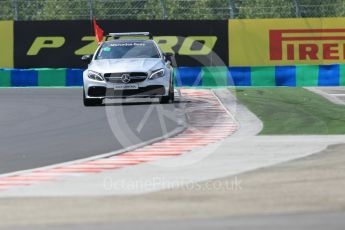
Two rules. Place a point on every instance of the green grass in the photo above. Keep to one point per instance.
(293, 111)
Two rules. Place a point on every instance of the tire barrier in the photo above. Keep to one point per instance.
(290, 76)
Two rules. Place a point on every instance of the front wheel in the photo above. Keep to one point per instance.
(170, 98)
(91, 101)
(164, 100)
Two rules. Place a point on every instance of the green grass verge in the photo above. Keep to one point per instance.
(293, 111)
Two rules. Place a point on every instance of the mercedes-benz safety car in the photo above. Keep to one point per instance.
(128, 67)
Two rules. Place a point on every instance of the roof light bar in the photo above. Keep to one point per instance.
(134, 34)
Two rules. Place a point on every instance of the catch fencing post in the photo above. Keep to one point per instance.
(232, 9)
(161, 2)
(15, 9)
(90, 9)
(297, 8)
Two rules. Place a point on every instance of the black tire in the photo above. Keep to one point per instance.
(164, 100)
(172, 93)
(170, 98)
(91, 101)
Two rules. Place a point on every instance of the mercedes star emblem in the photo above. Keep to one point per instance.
(125, 78)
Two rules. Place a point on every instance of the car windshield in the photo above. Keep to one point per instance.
(128, 49)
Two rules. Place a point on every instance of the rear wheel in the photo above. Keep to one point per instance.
(91, 101)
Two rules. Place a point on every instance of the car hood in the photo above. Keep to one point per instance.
(126, 65)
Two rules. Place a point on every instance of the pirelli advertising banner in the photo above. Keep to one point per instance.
(60, 44)
(272, 42)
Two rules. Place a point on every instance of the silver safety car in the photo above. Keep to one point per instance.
(128, 67)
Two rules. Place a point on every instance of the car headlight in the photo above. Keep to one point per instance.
(156, 74)
(95, 76)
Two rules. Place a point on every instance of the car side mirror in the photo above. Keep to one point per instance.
(87, 58)
(168, 56)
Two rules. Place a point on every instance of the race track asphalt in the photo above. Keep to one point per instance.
(309, 221)
(44, 126)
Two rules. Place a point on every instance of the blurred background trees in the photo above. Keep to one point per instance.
(167, 9)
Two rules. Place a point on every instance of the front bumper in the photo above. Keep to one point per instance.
(147, 91)
(148, 88)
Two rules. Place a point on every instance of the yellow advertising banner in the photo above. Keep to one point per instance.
(6, 44)
(272, 42)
